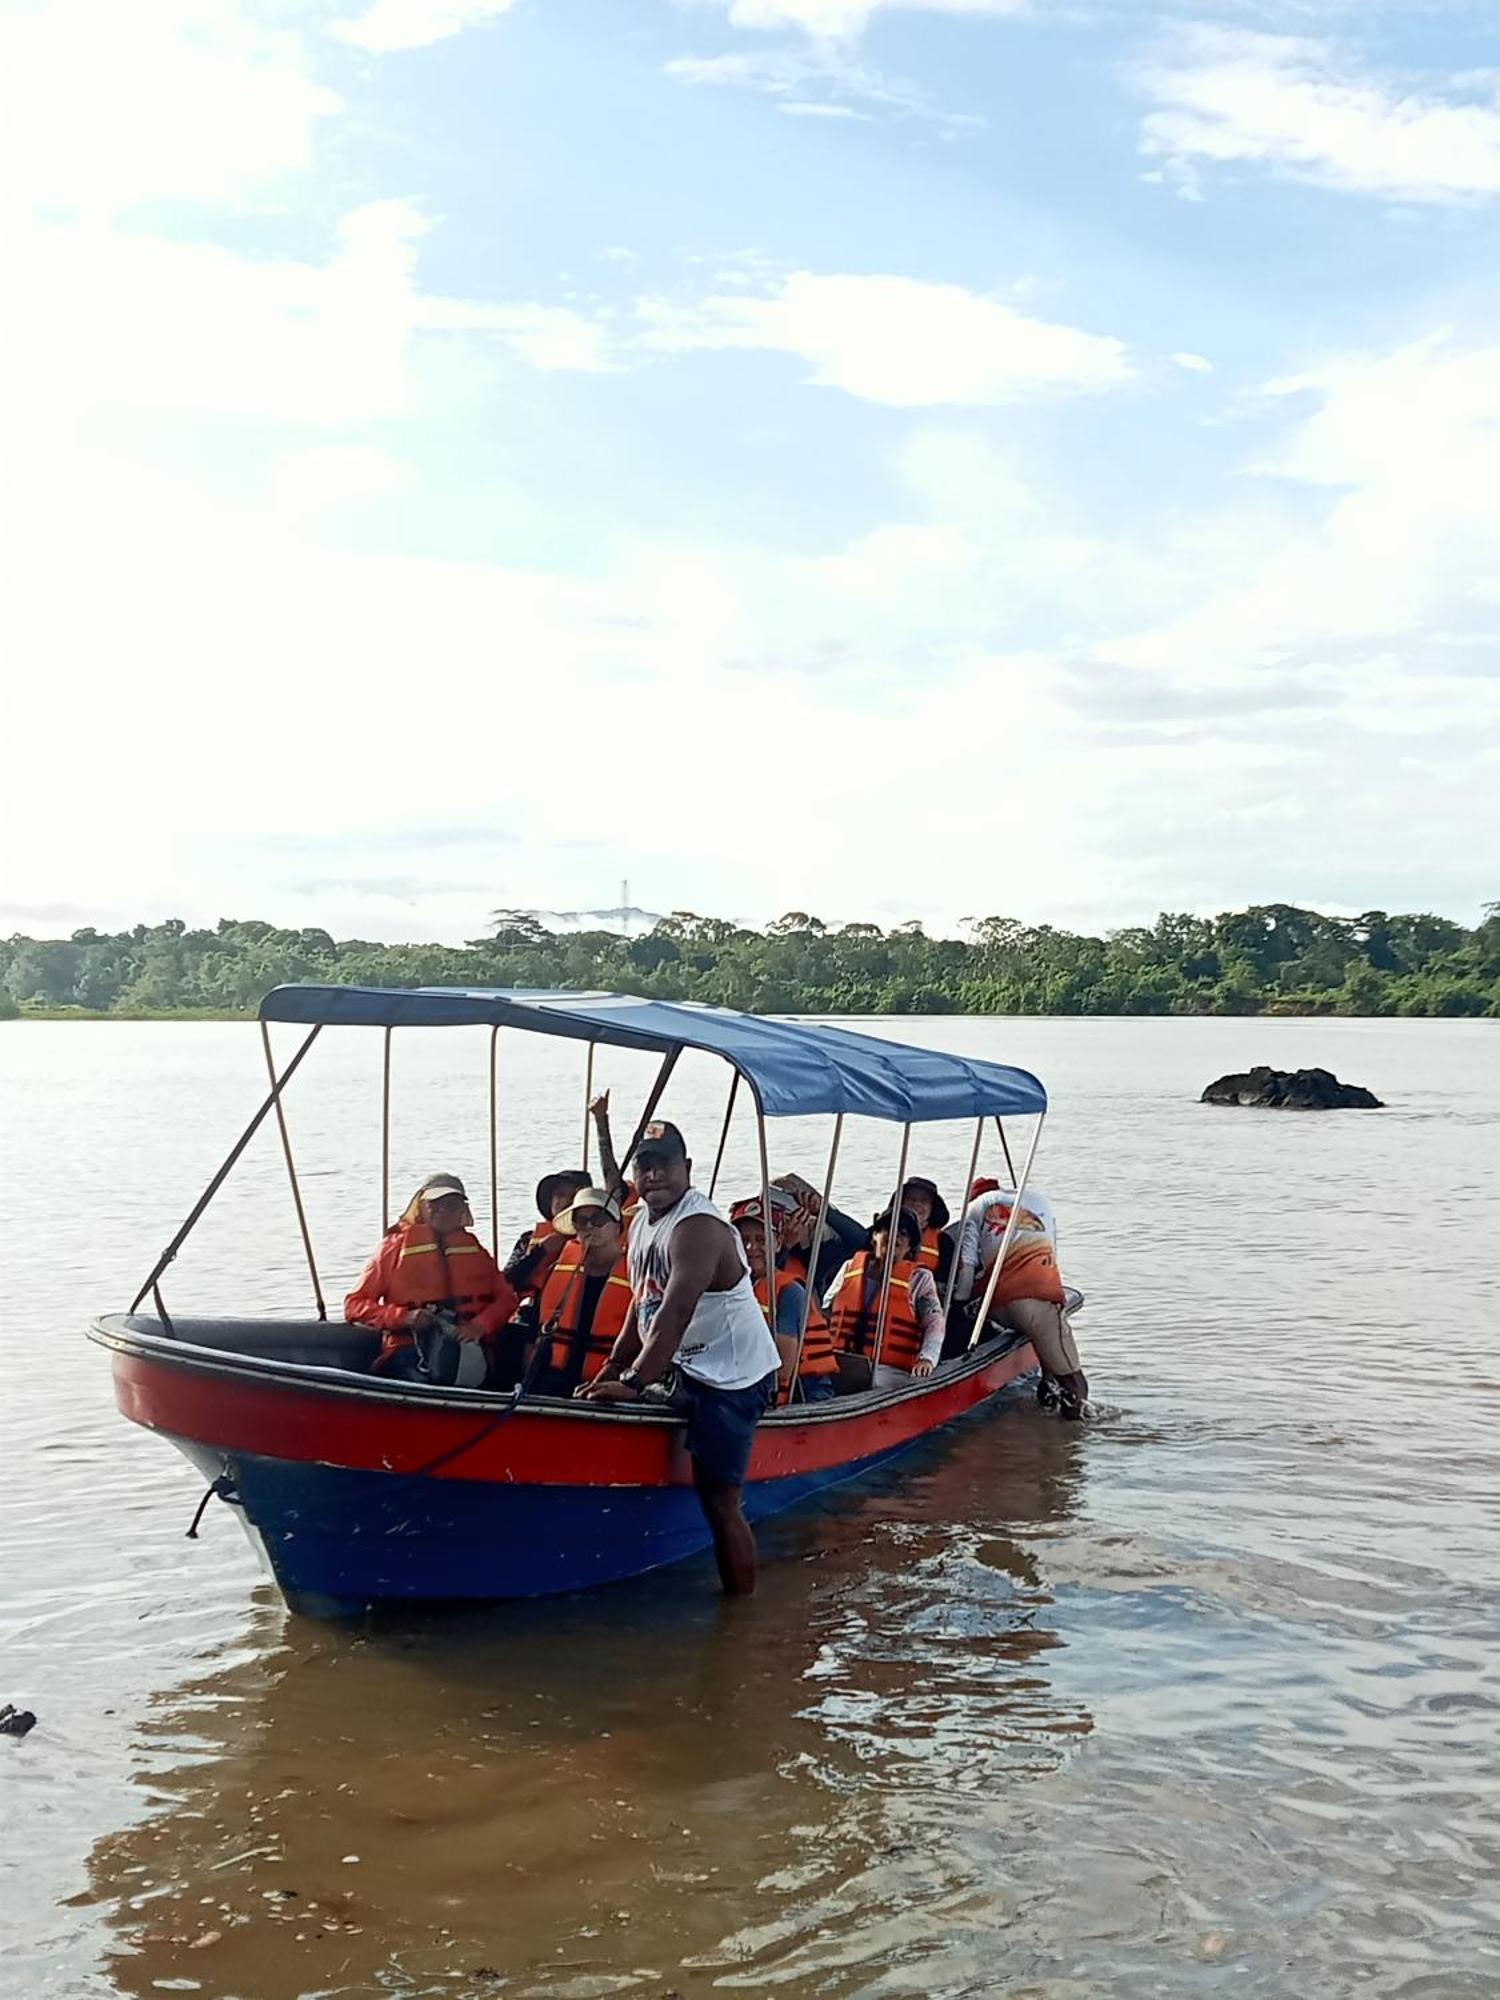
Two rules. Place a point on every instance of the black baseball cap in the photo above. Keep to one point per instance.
(660, 1141)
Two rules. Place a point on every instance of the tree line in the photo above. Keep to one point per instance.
(1272, 958)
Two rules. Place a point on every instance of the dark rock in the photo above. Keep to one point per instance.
(16, 1721)
(1290, 1090)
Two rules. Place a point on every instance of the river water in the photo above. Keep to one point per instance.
(1202, 1698)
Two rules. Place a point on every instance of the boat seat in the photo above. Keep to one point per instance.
(316, 1343)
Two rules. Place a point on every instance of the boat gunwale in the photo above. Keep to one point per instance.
(109, 1331)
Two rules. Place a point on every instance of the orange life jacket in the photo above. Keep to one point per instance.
(818, 1357)
(927, 1256)
(455, 1269)
(856, 1312)
(1029, 1272)
(562, 1301)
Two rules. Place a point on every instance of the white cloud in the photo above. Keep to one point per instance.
(1195, 364)
(103, 105)
(389, 25)
(1390, 542)
(121, 322)
(898, 341)
(846, 19)
(1300, 108)
(818, 79)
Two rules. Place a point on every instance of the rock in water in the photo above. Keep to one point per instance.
(16, 1721)
(1290, 1090)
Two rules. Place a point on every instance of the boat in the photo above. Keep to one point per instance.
(360, 1491)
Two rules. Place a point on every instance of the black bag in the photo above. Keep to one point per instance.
(438, 1350)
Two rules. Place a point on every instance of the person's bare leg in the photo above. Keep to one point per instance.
(734, 1541)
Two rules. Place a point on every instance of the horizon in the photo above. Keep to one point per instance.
(961, 930)
(929, 454)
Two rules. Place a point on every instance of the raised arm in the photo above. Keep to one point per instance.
(609, 1167)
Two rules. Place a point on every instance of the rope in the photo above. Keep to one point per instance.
(222, 1488)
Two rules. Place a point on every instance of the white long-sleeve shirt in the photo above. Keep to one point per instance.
(982, 1230)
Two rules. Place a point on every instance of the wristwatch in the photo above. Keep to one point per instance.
(631, 1380)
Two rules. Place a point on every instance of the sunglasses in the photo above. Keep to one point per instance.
(594, 1218)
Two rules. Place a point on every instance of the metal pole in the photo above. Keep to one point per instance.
(385, 1136)
(1005, 1148)
(224, 1172)
(890, 1253)
(291, 1171)
(817, 1242)
(963, 1214)
(765, 1220)
(1010, 1230)
(669, 1063)
(734, 1086)
(494, 1147)
(588, 1098)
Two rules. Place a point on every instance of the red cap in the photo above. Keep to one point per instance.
(983, 1187)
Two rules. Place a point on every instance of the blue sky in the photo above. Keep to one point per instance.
(883, 458)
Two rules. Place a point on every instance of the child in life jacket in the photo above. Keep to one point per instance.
(912, 1340)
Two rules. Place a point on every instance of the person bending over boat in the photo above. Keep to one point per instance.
(585, 1301)
(1029, 1297)
(694, 1306)
(431, 1268)
(912, 1342)
(816, 1373)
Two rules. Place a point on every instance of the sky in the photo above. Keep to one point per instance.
(888, 458)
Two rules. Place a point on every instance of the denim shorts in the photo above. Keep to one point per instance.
(721, 1424)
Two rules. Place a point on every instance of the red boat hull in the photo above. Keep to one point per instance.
(361, 1491)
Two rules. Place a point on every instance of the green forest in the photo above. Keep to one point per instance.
(1273, 958)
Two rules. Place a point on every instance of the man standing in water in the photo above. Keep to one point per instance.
(694, 1305)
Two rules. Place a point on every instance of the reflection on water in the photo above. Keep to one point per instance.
(1202, 1700)
(621, 1791)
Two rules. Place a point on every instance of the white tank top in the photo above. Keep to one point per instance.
(726, 1343)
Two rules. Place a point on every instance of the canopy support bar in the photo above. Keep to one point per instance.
(278, 1086)
(663, 1077)
(494, 1145)
(291, 1172)
(1010, 1166)
(588, 1098)
(1010, 1229)
(892, 1235)
(768, 1236)
(817, 1243)
(385, 1134)
(963, 1216)
(734, 1087)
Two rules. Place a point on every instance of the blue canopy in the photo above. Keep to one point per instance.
(795, 1070)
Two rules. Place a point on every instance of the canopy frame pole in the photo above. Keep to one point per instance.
(767, 1235)
(890, 1254)
(588, 1098)
(385, 1133)
(495, 1143)
(963, 1217)
(734, 1086)
(663, 1077)
(291, 1172)
(1010, 1229)
(816, 1245)
(1010, 1166)
(278, 1085)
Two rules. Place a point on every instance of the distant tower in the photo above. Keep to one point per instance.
(625, 907)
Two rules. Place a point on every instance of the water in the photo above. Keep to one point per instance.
(1203, 1699)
